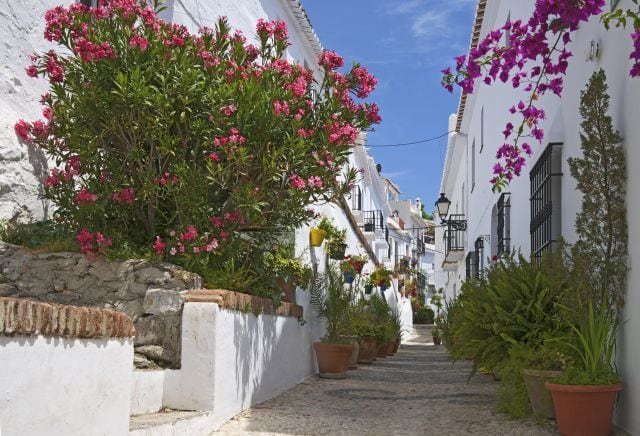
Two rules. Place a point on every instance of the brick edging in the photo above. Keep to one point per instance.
(20, 316)
(242, 302)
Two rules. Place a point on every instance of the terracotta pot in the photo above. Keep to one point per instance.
(357, 267)
(333, 359)
(289, 290)
(396, 346)
(382, 350)
(353, 359)
(367, 352)
(584, 410)
(539, 397)
(390, 347)
(437, 340)
(316, 236)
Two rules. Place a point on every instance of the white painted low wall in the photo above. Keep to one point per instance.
(64, 386)
(147, 391)
(232, 360)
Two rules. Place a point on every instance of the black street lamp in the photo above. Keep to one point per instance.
(442, 206)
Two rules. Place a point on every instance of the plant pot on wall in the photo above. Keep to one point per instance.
(333, 359)
(349, 277)
(336, 251)
(316, 237)
(584, 410)
(539, 396)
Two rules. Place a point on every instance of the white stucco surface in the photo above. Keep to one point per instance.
(147, 391)
(232, 360)
(64, 386)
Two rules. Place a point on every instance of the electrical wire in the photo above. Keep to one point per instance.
(411, 143)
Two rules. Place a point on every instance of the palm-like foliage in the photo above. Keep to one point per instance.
(332, 302)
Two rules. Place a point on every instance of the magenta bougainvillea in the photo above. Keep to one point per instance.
(197, 146)
(534, 59)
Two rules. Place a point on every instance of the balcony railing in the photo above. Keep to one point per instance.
(373, 220)
(421, 281)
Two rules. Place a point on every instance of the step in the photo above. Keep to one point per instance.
(168, 422)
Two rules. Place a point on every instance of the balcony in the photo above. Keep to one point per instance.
(421, 281)
(373, 220)
(454, 239)
(420, 248)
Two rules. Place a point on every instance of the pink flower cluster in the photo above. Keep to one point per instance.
(281, 108)
(138, 41)
(277, 29)
(342, 133)
(541, 41)
(635, 54)
(330, 60)
(84, 196)
(124, 196)
(92, 244)
(366, 82)
(89, 52)
(166, 178)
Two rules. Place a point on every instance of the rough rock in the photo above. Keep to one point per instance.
(162, 302)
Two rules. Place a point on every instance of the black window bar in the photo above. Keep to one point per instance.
(420, 246)
(470, 264)
(356, 198)
(478, 257)
(373, 219)
(454, 234)
(387, 238)
(545, 224)
(504, 223)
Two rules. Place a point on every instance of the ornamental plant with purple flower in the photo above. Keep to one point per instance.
(535, 60)
(186, 144)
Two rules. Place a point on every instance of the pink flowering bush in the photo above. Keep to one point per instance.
(535, 60)
(199, 148)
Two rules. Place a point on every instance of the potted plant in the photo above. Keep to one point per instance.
(316, 236)
(348, 271)
(288, 271)
(331, 302)
(336, 239)
(584, 396)
(362, 325)
(382, 277)
(436, 336)
(357, 262)
(539, 365)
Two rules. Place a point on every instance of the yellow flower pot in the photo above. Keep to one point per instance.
(316, 236)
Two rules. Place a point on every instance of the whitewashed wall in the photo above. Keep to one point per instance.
(233, 360)
(64, 386)
(561, 125)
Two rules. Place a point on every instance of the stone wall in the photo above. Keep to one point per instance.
(152, 294)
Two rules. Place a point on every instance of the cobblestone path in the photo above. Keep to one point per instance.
(415, 392)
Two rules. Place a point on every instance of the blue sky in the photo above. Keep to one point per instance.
(405, 44)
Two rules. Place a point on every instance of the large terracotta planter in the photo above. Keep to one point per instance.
(396, 345)
(390, 346)
(353, 359)
(367, 352)
(584, 410)
(333, 359)
(382, 350)
(316, 236)
(539, 396)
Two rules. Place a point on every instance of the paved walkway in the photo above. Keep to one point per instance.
(416, 392)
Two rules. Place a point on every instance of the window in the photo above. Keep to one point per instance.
(481, 129)
(504, 223)
(473, 164)
(470, 264)
(545, 178)
(479, 257)
(356, 198)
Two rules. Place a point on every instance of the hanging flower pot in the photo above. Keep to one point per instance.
(316, 236)
(336, 251)
(357, 266)
(349, 277)
(383, 287)
(368, 289)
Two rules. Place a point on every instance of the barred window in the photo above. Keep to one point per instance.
(479, 256)
(545, 178)
(470, 263)
(504, 223)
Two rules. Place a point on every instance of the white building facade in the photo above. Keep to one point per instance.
(500, 222)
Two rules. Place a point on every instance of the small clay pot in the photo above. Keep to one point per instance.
(367, 352)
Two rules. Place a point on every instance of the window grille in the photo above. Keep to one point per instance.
(504, 223)
(479, 257)
(545, 178)
(373, 219)
(470, 264)
(454, 234)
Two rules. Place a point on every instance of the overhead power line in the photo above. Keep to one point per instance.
(411, 143)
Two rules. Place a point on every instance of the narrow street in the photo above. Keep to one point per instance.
(415, 392)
